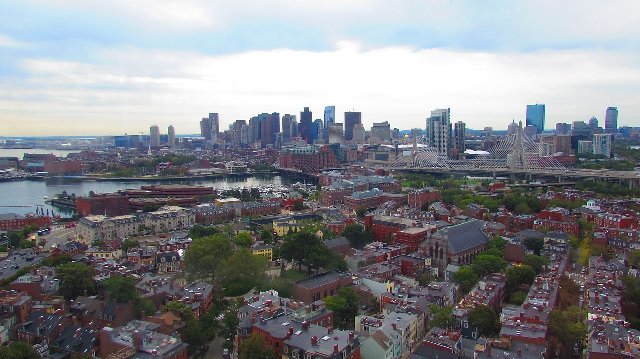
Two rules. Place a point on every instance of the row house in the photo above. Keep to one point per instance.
(320, 286)
(41, 327)
(40, 282)
(168, 262)
(383, 228)
(97, 313)
(197, 296)
(140, 339)
(169, 218)
(421, 197)
(489, 291)
(208, 214)
(545, 225)
(615, 221)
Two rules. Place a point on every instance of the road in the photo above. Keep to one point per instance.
(59, 234)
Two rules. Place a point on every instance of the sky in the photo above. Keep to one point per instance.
(78, 67)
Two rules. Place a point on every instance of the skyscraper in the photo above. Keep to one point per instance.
(306, 125)
(329, 118)
(286, 126)
(171, 132)
(602, 144)
(214, 122)
(154, 136)
(336, 133)
(593, 123)
(318, 128)
(439, 130)
(359, 134)
(350, 120)
(459, 134)
(381, 130)
(535, 116)
(205, 128)
(611, 120)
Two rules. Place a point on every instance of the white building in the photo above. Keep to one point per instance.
(602, 144)
(439, 130)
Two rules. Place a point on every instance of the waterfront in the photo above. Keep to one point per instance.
(19, 152)
(23, 197)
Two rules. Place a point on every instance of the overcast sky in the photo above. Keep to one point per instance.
(83, 67)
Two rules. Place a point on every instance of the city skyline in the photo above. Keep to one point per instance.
(71, 68)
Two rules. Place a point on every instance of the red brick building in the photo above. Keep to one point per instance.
(320, 286)
(63, 167)
(419, 198)
(109, 204)
(383, 228)
(14, 222)
(307, 158)
(413, 236)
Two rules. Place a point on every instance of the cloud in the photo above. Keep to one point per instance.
(133, 88)
(6, 41)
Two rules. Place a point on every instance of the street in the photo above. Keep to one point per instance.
(58, 234)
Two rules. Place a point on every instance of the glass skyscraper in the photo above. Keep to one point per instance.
(329, 118)
(535, 116)
(611, 120)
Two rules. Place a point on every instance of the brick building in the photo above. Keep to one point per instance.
(383, 228)
(141, 340)
(458, 244)
(419, 198)
(105, 204)
(320, 286)
(14, 222)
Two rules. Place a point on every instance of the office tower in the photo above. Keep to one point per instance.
(275, 124)
(236, 131)
(438, 130)
(611, 120)
(318, 129)
(459, 135)
(581, 130)
(535, 116)
(546, 145)
(215, 126)
(329, 118)
(245, 135)
(293, 128)
(562, 143)
(286, 126)
(350, 120)
(278, 141)
(381, 130)
(564, 128)
(254, 124)
(154, 136)
(593, 123)
(358, 133)
(266, 133)
(585, 147)
(602, 144)
(171, 132)
(205, 128)
(531, 131)
(395, 134)
(512, 128)
(336, 133)
(306, 125)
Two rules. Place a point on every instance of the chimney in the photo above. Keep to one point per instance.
(305, 325)
(394, 326)
(314, 341)
(335, 348)
(290, 332)
(351, 336)
(137, 340)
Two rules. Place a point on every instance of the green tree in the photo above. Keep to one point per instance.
(18, 350)
(466, 278)
(120, 289)
(345, 307)
(441, 317)
(361, 211)
(517, 276)
(243, 239)
(536, 262)
(568, 292)
(266, 235)
(534, 244)
(255, 347)
(204, 254)
(180, 309)
(497, 243)
(485, 264)
(194, 335)
(241, 271)
(229, 326)
(77, 279)
(568, 327)
(517, 297)
(297, 247)
(145, 307)
(199, 231)
(356, 235)
(128, 244)
(486, 320)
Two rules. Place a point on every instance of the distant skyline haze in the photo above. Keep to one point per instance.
(71, 67)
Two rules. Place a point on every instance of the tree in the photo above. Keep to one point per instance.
(534, 244)
(298, 206)
(145, 307)
(194, 335)
(298, 246)
(485, 319)
(229, 326)
(243, 239)
(77, 279)
(536, 262)
(356, 235)
(266, 235)
(241, 271)
(497, 243)
(517, 297)
(486, 263)
(199, 231)
(18, 350)
(568, 327)
(361, 211)
(180, 309)
(441, 317)
(466, 278)
(204, 254)
(120, 289)
(517, 276)
(128, 244)
(424, 279)
(255, 347)
(345, 307)
(568, 292)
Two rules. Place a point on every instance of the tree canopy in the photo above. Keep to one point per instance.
(120, 289)
(241, 271)
(243, 239)
(485, 264)
(486, 320)
(204, 254)
(356, 235)
(466, 278)
(18, 350)
(534, 244)
(77, 279)
(536, 262)
(441, 317)
(255, 347)
(345, 307)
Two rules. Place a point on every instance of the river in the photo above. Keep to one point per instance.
(23, 197)
(19, 152)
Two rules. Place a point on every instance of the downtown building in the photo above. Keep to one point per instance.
(536, 116)
(438, 130)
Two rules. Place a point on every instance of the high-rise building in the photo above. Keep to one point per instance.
(564, 128)
(266, 131)
(611, 120)
(512, 128)
(154, 136)
(581, 130)
(286, 126)
(535, 116)
(275, 124)
(562, 143)
(254, 124)
(205, 128)
(245, 135)
(329, 118)
(602, 144)
(336, 133)
(350, 120)
(293, 128)
(459, 135)
(171, 132)
(306, 126)
(585, 147)
(438, 130)
(593, 122)
(215, 126)
(318, 128)
(358, 133)
(381, 130)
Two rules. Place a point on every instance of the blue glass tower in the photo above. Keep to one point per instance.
(535, 116)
